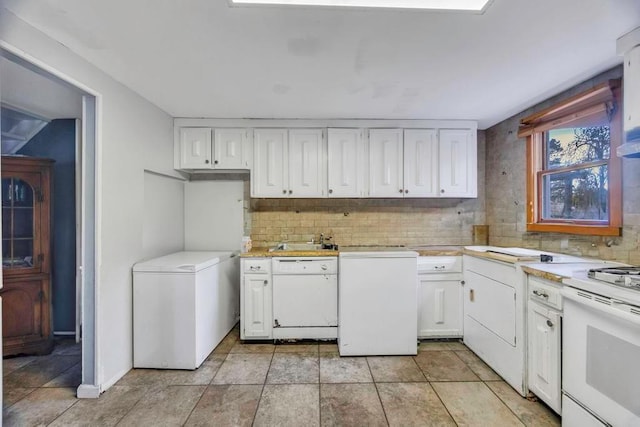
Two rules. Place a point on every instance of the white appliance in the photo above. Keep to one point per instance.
(601, 349)
(495, 314)
(377, 302)
(183, 306)
(305, 297)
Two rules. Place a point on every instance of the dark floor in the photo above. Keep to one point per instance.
(274, 385)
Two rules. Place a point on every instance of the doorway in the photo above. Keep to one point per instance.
(70, 120)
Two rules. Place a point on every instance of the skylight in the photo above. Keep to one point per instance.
(458, 5)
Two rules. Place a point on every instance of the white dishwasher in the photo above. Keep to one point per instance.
(377, 301)
(305, 297)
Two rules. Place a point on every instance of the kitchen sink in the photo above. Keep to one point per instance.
(286, 246)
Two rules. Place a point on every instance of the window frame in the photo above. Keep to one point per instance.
(534, 128)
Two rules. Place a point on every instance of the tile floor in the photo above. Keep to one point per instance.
(275, 385)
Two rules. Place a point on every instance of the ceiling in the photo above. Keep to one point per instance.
(205, 58)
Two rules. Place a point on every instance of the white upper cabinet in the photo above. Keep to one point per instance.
(306, 163)
(458, 163)
(345, 166)
(270, 175)
(289, 163)
(385, 163)
(230, 149)
(421, 163)
(206, 148)
(195, 148)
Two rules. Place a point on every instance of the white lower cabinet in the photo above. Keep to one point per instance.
(544, 342)
(439, 297)
(256, 306)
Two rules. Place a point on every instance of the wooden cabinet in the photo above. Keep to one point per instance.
(385, 163)
(256, 312)
(26, 255)
(440, 297)
(206, 148)
(544, 341)
(270, 177)
(195, 148)
(306, 163)
(289, 163)
(422, 163)
(345, 163)
(458, 163)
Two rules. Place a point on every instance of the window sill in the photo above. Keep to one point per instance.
(589, 230)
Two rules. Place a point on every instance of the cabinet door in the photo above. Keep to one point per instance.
(345, 167)
(439, 308)
(385, 163)
(257, 312)
(306, 163)
(421, 163)
(228, 149)
(25, 316)
(458, 163)
(195, 148)
(270, 176)
(544, 354)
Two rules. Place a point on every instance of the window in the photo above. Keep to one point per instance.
(574, 179)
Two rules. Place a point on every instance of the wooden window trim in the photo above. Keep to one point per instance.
(532, 128)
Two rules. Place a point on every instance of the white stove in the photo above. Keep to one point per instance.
(620, 284)
(601, 344)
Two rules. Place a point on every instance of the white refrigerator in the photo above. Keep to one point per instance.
(183, 306)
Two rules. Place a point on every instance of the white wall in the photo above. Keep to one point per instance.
(162, 228)
(133, 135)
(213, 215)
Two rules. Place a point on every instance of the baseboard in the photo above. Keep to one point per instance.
(88, 391)
(114, 379)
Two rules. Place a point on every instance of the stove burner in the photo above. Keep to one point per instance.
(628, 277)
(635, 271)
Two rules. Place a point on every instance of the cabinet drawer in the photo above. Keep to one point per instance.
(256, 266)
(545, 292)
(439, 264)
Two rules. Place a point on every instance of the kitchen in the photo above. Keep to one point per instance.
(500, 201)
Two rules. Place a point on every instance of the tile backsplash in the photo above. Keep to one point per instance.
(366, 221)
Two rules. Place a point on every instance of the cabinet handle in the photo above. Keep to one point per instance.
(442, 191)
(284, 191)
(540, 294)
(207, 161)
(462, 282)
(290, 191)
(400, 190)
(471, 295)
(330, 191)
(215, 162)
(406, 191)
(265, 282)
(549, 323)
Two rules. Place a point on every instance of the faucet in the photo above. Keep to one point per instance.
(321, 238)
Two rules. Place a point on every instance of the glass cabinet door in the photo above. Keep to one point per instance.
(18, 223)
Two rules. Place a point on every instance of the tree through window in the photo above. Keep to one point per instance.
(574, 183)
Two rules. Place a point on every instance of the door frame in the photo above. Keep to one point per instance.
(87, 203)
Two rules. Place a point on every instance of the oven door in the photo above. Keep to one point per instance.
(600, 354)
